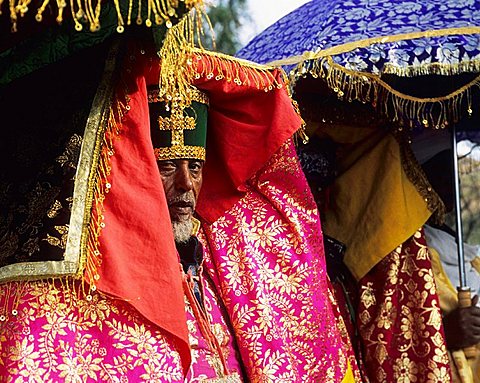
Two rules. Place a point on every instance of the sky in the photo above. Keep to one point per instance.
(264, 13)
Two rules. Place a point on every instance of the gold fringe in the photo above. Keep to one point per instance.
(240, 72)
(88, 12)
(67, 290)
(300, 134)
(99, 187)
(418, 178)
(184, 59)
(434, 112)
(433, 68)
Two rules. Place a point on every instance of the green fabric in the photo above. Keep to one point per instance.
(54, 44)
(198, 136)
(195, 137)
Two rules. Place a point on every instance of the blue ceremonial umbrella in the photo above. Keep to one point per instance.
(415, 63)
(365, 49)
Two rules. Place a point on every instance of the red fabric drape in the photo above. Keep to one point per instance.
(139, 259)
(246, 126)
(399, 318)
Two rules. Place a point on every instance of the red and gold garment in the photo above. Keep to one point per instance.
(399, 318)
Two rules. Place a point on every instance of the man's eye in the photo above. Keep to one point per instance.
(166, 166)
(195, 167)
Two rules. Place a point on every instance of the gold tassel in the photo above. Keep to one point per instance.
(99, 187)
(88, 12)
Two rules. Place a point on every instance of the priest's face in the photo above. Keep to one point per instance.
(182, 180)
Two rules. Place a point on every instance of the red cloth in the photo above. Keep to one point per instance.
(246, 126)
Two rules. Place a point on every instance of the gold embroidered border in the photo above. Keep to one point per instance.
(177, 151)
(75, 252)
(348, 47)
(418, 178)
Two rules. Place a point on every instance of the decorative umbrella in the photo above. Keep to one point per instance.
(364, 50)
(417, 63)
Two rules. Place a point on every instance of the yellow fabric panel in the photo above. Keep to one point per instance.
(463, 370)
(374, 206)
(447, 294)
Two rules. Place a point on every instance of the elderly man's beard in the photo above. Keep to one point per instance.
(182, 230)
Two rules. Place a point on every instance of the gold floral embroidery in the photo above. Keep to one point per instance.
(54, 209)
(70, 155)
(67, 346)
(367, 297)
(264, 232)
(414, 325)
(58, 242)
(405, 370)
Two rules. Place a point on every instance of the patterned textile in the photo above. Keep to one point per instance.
(60, 335)
(399, 318)
(266, 257)
(319, 25)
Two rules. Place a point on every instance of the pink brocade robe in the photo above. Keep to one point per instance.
(55, 336)
(266, 256)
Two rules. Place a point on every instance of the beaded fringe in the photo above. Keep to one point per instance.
(436, 113)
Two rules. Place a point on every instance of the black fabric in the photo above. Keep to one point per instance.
(43, 120)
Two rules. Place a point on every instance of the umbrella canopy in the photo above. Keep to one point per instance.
(365, 49)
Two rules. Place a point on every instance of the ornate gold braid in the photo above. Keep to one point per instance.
(195, 95)
(177, 151)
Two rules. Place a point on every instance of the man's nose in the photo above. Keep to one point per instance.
(183, 179)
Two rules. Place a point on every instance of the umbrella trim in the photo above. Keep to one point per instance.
(350, 85)
(336, 69)
(348, 47)
(433, 68)
(163, 12)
